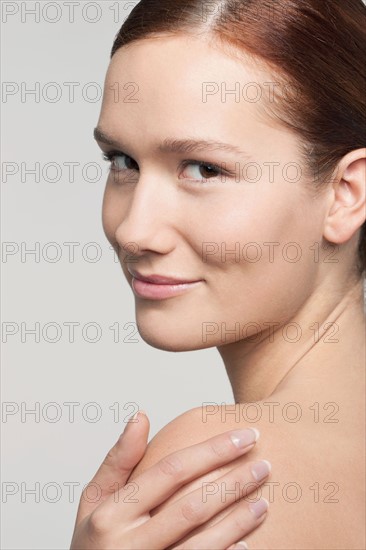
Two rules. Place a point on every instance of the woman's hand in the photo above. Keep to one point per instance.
(121, 517)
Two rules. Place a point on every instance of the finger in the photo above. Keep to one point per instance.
(117, 465)
(200, 505)
(240, 545)
(159, 482)
(243, 520)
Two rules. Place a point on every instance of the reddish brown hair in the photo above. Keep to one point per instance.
(318, 47)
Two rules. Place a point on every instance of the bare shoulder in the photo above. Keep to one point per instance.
(203, 422)
(183, 431)
(311, 494)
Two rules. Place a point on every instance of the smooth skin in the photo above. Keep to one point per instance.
(161, 209)
(121, 518)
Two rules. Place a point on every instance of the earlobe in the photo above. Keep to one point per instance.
(347, 212)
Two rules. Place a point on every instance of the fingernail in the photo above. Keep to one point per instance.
(241, 545)
(261, 469)
(243, 438)
(259, 507)
(133, 420)
(136, 415)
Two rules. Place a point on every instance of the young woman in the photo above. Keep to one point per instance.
(236, 132)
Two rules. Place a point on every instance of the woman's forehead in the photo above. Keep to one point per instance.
(186, 82)
(183, 61)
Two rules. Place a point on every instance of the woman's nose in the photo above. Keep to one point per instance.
(150, 218)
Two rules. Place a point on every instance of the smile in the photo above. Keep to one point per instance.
(154, 291)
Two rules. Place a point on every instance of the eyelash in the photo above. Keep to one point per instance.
(110, 155)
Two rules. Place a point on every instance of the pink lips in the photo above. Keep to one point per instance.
(159, 279)
(157, 287)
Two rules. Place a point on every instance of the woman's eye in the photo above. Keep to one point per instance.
(120, 161)
(192, 170)
(199, 170)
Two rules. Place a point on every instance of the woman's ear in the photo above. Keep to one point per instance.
(347, 211)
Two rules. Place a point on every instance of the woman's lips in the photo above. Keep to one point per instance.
(159, 279)
(155, 291)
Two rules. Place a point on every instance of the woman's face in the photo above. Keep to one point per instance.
(249, 235)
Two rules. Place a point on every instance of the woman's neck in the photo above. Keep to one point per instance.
(318, 345)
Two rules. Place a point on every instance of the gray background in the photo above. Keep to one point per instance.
(48, 452)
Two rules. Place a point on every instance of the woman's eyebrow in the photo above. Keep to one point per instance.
(183, 146)
(198, 145)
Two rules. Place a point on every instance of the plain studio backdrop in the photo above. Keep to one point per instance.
(74, 367)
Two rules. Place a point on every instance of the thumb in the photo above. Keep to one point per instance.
(116, 468)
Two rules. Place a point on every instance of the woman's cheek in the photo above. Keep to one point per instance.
(113, 212)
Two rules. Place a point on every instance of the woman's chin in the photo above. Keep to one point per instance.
(156, 338)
